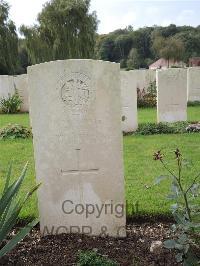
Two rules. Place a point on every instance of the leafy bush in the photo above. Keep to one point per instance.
(11, 104)
(15, 132)
(185, 209)
(10, 207)
(162, 128)
(91, 258)
(147, 98)
(195, 103)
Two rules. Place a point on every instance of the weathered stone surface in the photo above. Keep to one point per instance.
(172, 95)
(6, 86)
(193, 84)
(75, 108)
(21, 84)
(143, 78)
(129, 102)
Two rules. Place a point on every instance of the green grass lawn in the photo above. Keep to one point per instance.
(146, 115)
(140, 169)
(149, 115)
(22, 119)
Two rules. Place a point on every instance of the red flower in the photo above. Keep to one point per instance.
(158, 156)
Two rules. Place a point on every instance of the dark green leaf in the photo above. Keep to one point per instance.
(179, 257)
(170, 244)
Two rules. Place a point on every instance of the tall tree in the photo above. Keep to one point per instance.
(141, 47)
(170, 48)
(134, 59)
(66, 30)
(123, 44)
(23, 57)
(8, 42)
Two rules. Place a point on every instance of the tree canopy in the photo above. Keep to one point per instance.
(139, 48)
(8, 42)
(65, 30)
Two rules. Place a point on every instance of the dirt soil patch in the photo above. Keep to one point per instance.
(63, 249)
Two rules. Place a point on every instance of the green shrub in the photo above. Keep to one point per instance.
(147, 98)
(91, 258)
(15, 132)
(195, 103)
(11, 104)
(10, 207)
(162, 128)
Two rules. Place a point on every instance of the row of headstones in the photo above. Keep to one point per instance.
(130, 82)
(175, 87)
(8, 85)
(75, 111)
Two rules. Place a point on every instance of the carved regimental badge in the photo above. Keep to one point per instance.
(76, 91)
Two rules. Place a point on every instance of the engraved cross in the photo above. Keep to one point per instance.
(78, 171)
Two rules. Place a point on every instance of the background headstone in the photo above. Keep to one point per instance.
(21, 84)
(143, 78)
(129, 102)
(6, 86)
(172, 95)
(194, 84)
(75, 108)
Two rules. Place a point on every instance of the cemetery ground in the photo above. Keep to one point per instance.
(148, 211)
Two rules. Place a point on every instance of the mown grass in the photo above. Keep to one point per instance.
(149, 115)
(140, 169)
(19, 152)
(22, 119)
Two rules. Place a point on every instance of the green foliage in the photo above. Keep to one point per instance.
(65, 30)
(195, 103)
(15, 132)
(10, 207)
(162, 128)
(139, 48)
(8, 42)
(139, 168)
(11, 104)
(186, 232)
(147, 98)
(190, 37)
(91, 258)
(22, 57)
(134, 60)
(169, 48)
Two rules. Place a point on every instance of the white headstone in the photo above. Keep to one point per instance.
(21, 84)
(172, 95)
(75, 109)
(129, 102)
(143, 78)
(6, 86)
(194, 84)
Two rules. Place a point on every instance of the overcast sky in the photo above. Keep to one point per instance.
(114, 14)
